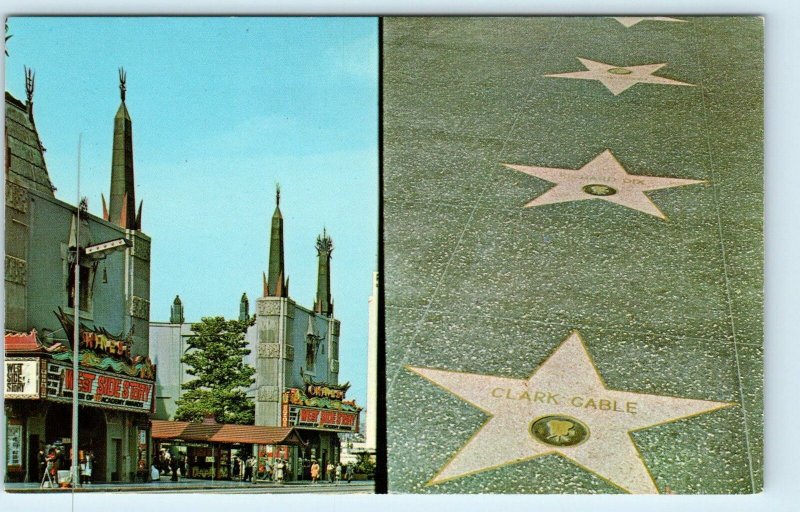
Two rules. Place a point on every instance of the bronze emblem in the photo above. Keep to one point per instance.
(619, 71)
(559, 431)
(597, 189)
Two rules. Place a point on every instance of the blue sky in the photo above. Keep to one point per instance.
(222, 110)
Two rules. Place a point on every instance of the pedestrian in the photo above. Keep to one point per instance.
(348, 473)
(241, 469)
(338, 473)
(42, 459)
(314, 472)
(59, 459)
(248, 470)
(236, 464)
(329, 472)
(279, 471)
(184, 466)
(86, 467)
(155, 474)
(173, 467)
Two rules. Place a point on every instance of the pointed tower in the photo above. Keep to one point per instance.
(244, 309)
(323, 303)
(276, 284)
(122, 202)
(30, 81)
(176, 312)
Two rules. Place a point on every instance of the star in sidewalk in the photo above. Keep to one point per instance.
(619, 78)
(630, 21)
(602, 178)
(564, 408)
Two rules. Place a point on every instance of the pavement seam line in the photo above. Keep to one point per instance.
(715, 188)
(391, 382)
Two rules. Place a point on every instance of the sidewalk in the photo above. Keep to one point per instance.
(165, 484)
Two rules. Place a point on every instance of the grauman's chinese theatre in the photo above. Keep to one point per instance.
(115, 397)
(116, 378)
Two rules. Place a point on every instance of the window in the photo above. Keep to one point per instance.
(310, 342)
(85, 289)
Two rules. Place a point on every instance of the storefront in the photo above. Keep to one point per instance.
(320, 412)
(215, 451)
(115, 397)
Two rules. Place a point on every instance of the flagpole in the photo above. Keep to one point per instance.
(76, 304)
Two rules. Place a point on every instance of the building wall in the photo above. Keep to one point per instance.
(38, 238)
(168, 343)
(16, 259)
(278, 345)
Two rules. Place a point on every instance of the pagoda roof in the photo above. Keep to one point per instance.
(25, 165)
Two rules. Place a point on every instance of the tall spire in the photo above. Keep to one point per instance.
(324, 303)
(276, 285)
(244, 309)
(122, 202)
(176, 312)
(30, 82)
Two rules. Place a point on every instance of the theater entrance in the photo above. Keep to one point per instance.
(91, 434)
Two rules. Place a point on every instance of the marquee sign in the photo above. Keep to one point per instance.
(324, 391)
(97, 339)
(21, 378)
(324, 409)
(99, 389)
(319, 419)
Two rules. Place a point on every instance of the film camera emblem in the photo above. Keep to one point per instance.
(559, 431)
(597, 189)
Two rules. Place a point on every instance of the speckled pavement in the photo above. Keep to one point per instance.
(476, 283)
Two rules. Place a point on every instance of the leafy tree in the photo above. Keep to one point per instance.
(216, 358)
(364, 464)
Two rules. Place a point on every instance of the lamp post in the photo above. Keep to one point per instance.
(94, 251)
(76, 304)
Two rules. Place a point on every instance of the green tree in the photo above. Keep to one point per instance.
(364, 465)
(215, 358)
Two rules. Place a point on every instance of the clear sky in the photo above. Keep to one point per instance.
(222, 110)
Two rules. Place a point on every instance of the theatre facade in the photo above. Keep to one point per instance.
(43, 235)
(295, 352)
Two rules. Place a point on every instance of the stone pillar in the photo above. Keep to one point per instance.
(269, 317)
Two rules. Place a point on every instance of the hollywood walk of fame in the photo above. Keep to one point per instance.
(630, 21)
(563, 408)
(602, 178)
(619, 78)
(675, 306)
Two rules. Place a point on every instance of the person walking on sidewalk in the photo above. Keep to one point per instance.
(329, 472)
(166, 462)
(42, 458)
(248, 470)
(338, 473)
(173, 467)
(314, 472)
(86, 467)
(348, 473)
